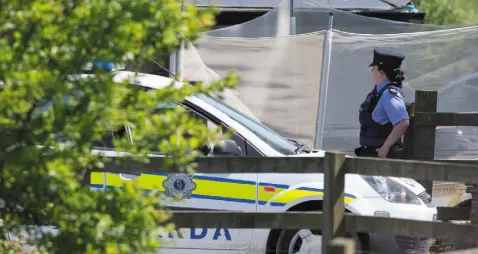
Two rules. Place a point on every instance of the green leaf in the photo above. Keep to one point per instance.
(50, 121)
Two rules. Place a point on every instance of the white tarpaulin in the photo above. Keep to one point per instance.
(276, 88)
(281, 73)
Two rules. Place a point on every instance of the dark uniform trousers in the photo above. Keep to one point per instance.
(373, 134)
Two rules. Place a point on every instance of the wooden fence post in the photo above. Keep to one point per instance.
(341, 246)
(408, 136)
(473, 190)
(334, 206)
(86, 181)
(423, 145)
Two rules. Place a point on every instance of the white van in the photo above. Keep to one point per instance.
(365, 195)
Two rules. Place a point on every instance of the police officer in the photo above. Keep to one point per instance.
(383, 115)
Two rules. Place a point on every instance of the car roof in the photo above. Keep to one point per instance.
(141, 79)
(146, 80)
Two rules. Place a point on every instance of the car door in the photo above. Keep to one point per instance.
(228, 192)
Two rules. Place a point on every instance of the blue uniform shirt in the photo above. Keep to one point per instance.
(390, 107)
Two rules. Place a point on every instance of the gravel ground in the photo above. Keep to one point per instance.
(442, 247)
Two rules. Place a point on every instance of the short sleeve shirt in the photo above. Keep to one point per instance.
(391, 107)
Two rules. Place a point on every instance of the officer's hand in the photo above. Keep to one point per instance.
(383, 151)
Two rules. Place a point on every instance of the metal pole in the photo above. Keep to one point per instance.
(292, 18)
(179, 57)
(324, 83)
(179, 62)
(292, 28)
(172, 64)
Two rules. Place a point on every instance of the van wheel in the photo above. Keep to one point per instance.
(303, 241)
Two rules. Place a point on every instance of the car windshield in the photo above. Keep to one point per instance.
(272, 138)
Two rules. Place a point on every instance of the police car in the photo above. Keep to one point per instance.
(266, 192)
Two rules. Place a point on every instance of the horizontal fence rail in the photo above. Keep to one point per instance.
(453, 213)
(423, 170)
(213, 165)
(314, 220)
(468, 251)
(434, 119)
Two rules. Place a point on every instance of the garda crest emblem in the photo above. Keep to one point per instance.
(179, 185)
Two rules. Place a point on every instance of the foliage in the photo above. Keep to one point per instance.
(444, 12)
(49, 119)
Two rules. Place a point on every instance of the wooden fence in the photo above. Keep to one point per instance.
(333, 221)
(420, 140)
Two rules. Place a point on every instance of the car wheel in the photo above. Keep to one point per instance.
(303, 241)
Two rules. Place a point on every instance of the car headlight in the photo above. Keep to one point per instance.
(391, 190)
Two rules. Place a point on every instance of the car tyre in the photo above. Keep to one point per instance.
(287, 243)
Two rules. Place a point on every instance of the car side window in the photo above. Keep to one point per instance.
(106, 142)
(212, 125)
(247, 148)
(240, 141)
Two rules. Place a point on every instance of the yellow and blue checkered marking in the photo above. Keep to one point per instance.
(218, 188)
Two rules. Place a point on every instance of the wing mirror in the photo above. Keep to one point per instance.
(227, 147)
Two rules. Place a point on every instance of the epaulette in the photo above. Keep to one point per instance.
(393, 90)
